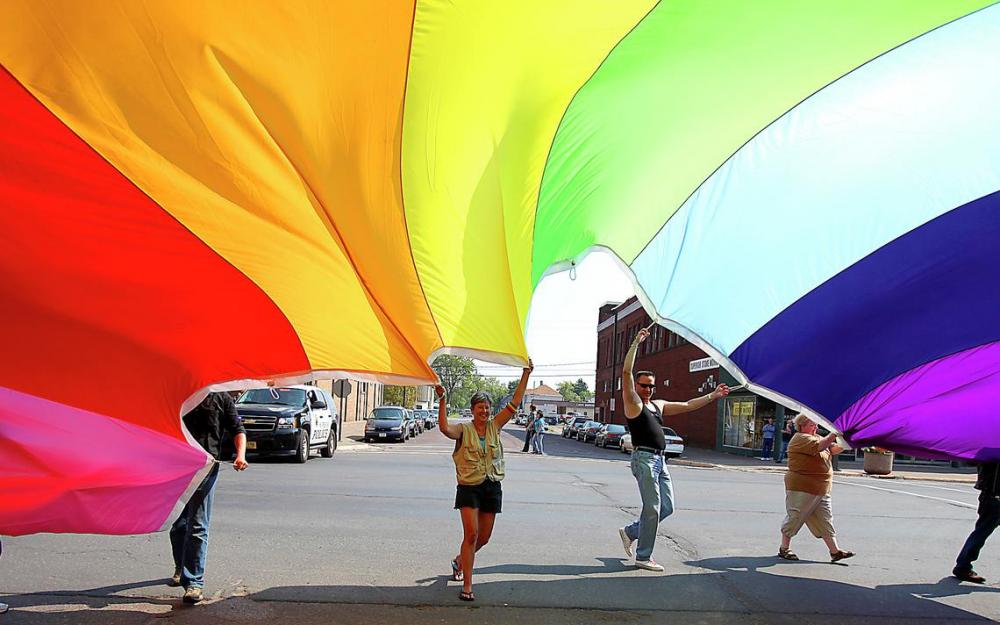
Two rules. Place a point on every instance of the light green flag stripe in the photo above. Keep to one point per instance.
(683, 91)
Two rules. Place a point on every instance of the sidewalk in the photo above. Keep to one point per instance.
(353, 436)
(708, 458)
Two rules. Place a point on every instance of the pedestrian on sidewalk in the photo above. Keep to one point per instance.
(768, 430)
(529, 430)
(786, 438)
(479, 468)
(645, 422)
(988, 484)
(207, 423)
(807, 489)
(536, 442)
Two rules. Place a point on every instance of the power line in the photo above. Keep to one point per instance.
(554, 364)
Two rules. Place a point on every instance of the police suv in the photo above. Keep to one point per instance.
(289, 420)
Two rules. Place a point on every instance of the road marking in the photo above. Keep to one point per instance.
(960, 504)
(954, 490)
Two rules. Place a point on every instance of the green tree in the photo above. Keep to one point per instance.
(568, 391)
(582, 391)
(492, 386)
(405, 396)
(456, 373)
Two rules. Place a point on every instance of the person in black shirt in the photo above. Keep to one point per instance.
(645, 422)
(989, 519)
(210, 420)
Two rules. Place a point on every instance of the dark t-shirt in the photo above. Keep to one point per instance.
(647, 428)
(212, 419)
(989, 478)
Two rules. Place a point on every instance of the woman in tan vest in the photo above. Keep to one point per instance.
(807, 489)
(479, 467)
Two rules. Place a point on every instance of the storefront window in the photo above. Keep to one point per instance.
(740, 427)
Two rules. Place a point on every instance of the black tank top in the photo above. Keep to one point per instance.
(647, 428)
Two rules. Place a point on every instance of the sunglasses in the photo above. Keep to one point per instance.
(646, 385)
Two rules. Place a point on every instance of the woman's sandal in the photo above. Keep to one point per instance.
(840, 554)
(466, 596)
(456, 572)
(786, 554)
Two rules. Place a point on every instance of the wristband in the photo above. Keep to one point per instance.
(512, 407)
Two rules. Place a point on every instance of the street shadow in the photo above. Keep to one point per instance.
(735, 592)
(945, 587)
(827, 596)
(608, 565)
(747, 563)
(100, 605)
(731, 589)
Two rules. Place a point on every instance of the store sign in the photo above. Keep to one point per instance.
(702, 364)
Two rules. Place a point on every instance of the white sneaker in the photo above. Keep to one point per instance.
(626, 542)
(649, 565)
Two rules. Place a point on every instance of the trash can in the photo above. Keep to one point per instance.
(878, 462)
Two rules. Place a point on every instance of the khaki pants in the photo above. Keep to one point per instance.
(810, 510)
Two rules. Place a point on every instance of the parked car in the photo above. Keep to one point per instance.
(674, 448)
(675, 444)
(611, 435)
(289, 420)
(387, 423)
(521, 419)
(571, 428)
(415, 423)
(551, 420)
(429, 417)
(588, 431)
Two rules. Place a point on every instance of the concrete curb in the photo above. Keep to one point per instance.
(902, 475)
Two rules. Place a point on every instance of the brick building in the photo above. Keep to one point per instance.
(682, 371)
(364, 397)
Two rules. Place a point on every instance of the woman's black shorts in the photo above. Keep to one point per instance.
(485, 497)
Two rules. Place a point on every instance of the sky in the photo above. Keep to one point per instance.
(562, 325)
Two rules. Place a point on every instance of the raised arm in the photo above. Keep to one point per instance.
(631, 399)
(453, 432)
(680, 407)
(508, 411)
(830, 442)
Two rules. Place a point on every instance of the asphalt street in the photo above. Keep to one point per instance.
(366, 537)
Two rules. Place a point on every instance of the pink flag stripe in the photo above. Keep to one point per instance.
(68, 470)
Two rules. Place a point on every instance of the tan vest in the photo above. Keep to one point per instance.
(472, 464)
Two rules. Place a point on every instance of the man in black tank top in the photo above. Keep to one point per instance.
(645, 422)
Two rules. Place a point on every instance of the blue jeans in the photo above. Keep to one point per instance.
(989, 519)
(657, 493)
(768, 444)
(189, 534)
(536, 443)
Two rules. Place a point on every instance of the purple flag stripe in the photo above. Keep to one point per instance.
(943, 409)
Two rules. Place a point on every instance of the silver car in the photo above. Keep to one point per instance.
(673, 449)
